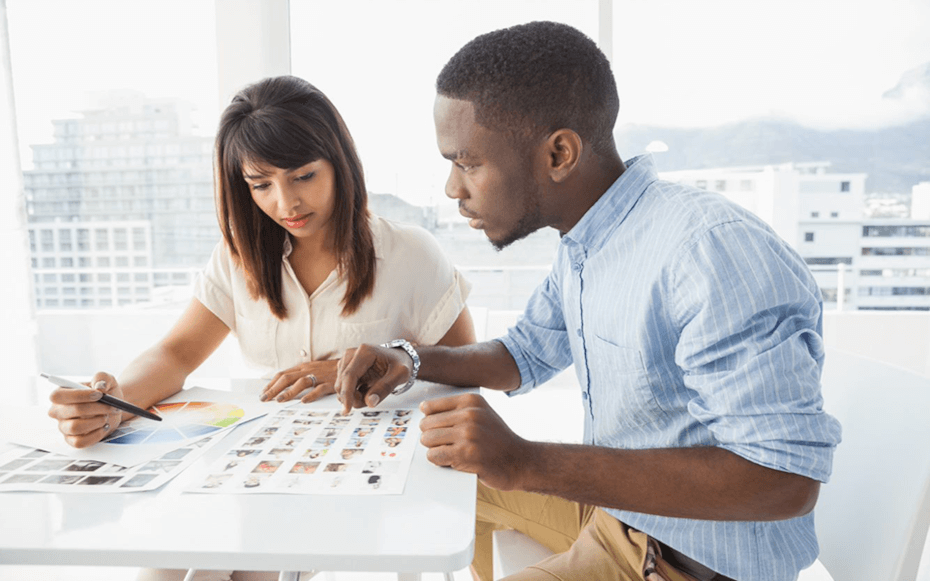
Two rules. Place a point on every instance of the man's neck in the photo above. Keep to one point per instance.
(593, 178)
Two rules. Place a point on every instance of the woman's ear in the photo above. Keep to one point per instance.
(564, 148)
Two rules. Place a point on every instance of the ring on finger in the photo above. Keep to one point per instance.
(313, 380)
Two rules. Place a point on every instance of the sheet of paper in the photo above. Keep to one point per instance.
(188, 416)
(311, 450)
(30, 469)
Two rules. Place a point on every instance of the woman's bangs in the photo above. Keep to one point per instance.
(273, 140)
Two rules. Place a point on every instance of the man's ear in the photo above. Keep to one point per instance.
(563, 148)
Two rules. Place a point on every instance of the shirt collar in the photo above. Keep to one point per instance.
(599, 222)
(375, 234)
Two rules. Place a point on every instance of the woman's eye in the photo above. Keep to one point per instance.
(306, 176)
(259, 186)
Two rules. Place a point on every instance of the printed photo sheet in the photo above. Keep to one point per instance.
(30, 469)
(188, 416)
(304, 450)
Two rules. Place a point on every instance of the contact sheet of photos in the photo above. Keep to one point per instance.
(304, 450)
(37, 470)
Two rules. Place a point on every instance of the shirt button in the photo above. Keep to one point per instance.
(580, 334)
(303, 352)
(584, 395)
(576, 267)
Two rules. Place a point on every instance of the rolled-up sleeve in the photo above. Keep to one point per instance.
(751, 348)
(538, 342)
(213, 286)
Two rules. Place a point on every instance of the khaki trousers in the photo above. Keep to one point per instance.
(590, 544)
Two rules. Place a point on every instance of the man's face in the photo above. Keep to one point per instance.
(492, 181)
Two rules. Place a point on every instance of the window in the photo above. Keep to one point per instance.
(808, 237)
(702, 184)
(815, 214)
(844, 186)
(103, 262)
(834, 214)
(720, 185)
(827, 261)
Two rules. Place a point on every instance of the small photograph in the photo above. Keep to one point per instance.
(324, 442)
(15, 464)
(296, 432)
(61, 479)
(371, 467)
(50, 465)
(176, 454)
(369, 422)
(254, 480)
(84, 466)
(315, 453)
(232, 465)
(357, 443)
(112, 469)
(335, 467)
(330, 433)
(242, 453)
(160, 466)
(401, 413)
(340, 421)
(213, 480)
(373, 482)
(362, 432)
(291, 442)
(286, 413)
(314, 414)
(304, 468)
(372, 414)
(306, 421)
(277, 421)
(400, 421)
(201, 442)
(348, 454)
(393, 442)
(22, 479)
(254, 442)
(138, 481)
(280, 452)
(268, 432)
(267, 466)
(396, 431)
(99, 480)
(388, 454)
(35, 454)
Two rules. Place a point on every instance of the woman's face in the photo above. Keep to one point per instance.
(301, 200)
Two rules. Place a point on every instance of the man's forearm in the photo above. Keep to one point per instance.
(697, 483)
(487, 364)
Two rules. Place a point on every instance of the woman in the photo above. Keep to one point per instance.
(303, 272)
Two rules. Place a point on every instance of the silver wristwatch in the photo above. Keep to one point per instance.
(406, 346)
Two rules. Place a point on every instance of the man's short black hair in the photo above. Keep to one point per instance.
(534, 78)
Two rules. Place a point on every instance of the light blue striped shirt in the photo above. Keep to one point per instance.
(690, 323)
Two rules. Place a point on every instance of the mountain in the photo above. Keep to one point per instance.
(895, 158)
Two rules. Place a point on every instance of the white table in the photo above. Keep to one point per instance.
(429, 528)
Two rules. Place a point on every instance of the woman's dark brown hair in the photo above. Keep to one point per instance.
(287, 122)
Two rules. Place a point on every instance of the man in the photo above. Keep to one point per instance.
(694, 330)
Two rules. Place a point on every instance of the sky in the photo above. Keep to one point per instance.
(824, 63)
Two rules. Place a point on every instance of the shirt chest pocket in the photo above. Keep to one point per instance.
(353, 334)
(257, 337)
(621, 389)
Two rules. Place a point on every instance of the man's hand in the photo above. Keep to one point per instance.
(317, 376)
(369, 374)
(465, 433)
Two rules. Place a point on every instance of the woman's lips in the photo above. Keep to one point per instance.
(297, 221)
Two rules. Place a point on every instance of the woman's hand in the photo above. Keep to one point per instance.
(81, 418)
(318, 376)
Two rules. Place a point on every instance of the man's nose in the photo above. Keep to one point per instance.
(454, 187)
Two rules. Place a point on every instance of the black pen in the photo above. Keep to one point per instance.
(106, 399)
